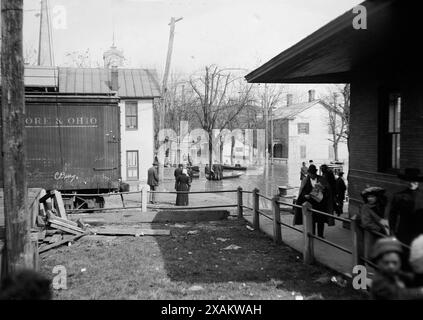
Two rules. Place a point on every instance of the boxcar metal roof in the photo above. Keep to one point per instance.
(37, 76)
(133, 83)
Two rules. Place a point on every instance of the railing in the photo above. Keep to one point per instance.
(143, 200)
(357, 234)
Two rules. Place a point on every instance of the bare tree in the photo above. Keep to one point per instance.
(339, 116)
(218, 100)
(82, 59)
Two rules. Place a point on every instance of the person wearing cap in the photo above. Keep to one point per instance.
(406, 208)
(372, 217)
(153, 180)
(314, 189)
(389, 282)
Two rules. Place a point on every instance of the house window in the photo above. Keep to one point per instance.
(303, 152)
(131, 115)
(394, 130)
(303, 128)
(132, 165)
(390, 132)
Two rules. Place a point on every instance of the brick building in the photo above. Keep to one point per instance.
(383, 65)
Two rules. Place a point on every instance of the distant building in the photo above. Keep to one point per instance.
(301, 132)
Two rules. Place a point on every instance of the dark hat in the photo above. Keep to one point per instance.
(386, 245)
(411, 174)
(377, 191)
(312, 169)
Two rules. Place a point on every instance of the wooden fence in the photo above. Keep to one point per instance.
(357, 234)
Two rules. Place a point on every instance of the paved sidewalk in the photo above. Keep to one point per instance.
(330, 256)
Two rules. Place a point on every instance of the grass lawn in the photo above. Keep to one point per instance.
(189, 266)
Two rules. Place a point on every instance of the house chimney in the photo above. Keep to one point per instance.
(114, 81)
(289, 98)
(311, 95)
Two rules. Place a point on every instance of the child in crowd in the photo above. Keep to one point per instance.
(390, 283)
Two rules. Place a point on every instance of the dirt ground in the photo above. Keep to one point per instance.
(192, 263)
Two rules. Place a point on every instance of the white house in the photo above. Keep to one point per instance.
(302, 132)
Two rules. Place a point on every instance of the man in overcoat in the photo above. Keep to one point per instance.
(153, 180)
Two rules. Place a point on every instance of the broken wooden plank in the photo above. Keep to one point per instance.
(131, 232)
(59, 205)
(52, 217)
(66, 225)
(66, 229)
(59, 243)
(55, 238)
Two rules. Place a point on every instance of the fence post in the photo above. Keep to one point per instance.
(144, 198)
(240, 211)
(256, 208)
(277, 233)
(308, 250)
(357, 242)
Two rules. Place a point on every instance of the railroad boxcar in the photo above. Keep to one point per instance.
(73, 144)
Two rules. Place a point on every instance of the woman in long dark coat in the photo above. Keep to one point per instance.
(183, 183)
(325, 205)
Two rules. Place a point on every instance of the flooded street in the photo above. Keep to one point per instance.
(265, 178)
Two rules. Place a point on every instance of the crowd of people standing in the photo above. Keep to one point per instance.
(323, 192)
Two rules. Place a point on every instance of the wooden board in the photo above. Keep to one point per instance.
(64, 221)
(59, 243)
(66, 225)
(59, 205)
(55, 238)
(66, 229)
(131, 232)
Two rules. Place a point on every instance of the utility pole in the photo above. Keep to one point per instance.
(266, 119)
(167, 69)
(162, 109)
(17, 219)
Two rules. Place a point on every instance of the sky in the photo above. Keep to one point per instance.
(229, 33)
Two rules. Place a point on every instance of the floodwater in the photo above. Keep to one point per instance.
(265, 178)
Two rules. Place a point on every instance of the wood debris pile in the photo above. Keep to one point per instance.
(54, 228)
